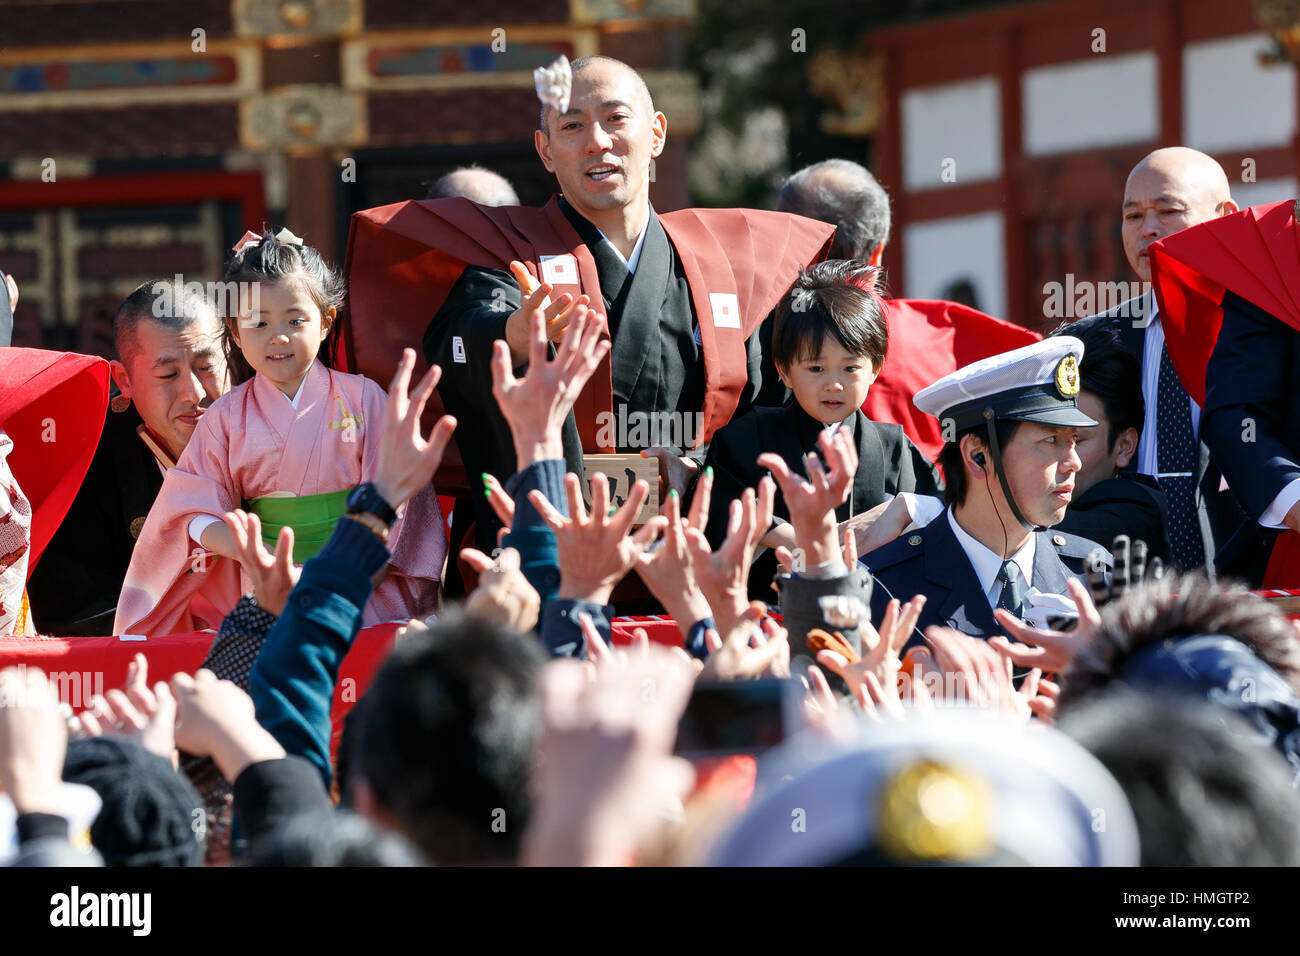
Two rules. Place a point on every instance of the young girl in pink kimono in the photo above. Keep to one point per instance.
(287, 444)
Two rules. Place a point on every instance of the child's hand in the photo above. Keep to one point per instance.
(273, 575)
(407, 461)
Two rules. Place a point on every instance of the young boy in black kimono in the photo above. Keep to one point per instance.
(829, 341)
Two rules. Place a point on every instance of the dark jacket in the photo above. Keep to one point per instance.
(1130, 504)
(74, 588)
(1220, 669)
(1218, 514)
(887, 463)
(1252, 420)
(931, 562)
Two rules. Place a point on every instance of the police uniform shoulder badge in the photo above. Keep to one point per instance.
(1067, 377)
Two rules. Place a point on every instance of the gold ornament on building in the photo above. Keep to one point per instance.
(303, 120)
(298, 14)
(313, 116)
(854, 84)
(269, 18)
(1281, 20)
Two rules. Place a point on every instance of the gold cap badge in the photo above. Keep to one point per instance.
(932, 811)
(1067, 377)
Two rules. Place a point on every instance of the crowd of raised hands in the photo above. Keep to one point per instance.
(606, 777)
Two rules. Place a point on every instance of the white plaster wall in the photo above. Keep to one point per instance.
(1231, 101)
(941, 251)
(957, 121)
(1103, 101)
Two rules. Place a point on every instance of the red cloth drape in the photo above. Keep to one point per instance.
(52, 405)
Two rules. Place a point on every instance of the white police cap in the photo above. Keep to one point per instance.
(959, 786)
(1037, 383)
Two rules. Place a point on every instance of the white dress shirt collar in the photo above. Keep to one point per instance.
(987, 564)
(632, 260)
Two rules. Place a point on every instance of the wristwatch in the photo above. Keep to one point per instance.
(365, 499)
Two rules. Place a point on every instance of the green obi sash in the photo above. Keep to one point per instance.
(312, 518)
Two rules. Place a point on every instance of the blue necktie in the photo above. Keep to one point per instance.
(1011, 598)
(1176, 458)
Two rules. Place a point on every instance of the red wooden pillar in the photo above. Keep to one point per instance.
(889, 168)
(1169, 64)
(1012, 184)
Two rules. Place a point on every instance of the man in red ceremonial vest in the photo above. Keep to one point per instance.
(683, 292)
(1228, 291)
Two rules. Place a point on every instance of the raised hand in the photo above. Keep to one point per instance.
(503, 506)
(595, 551)
(556, 315)
(503, 593)
(140, 713)
(667, 570)
(976, 673)
(536, 405)
(609, 774)
(214, 718)
(749, 651)
(880, 649)
(273, 575)
(812, 503)
(33, 740)
(723, 575)
(406, 460)
(1052, 651)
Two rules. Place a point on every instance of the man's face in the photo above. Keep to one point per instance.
(1042, 465)
(831, 385)
(172, 376)
(600, 150)
(1158, 202)
(1099, 462)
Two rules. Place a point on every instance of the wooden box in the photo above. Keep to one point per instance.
(622, 471)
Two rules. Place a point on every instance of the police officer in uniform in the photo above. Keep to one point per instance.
(1009, 468)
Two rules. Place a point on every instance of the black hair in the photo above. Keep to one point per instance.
(1203, 790)
(172, 304)
(448, 738)
(846, 195)
(1181, 606)
(334, 838)
(834, 298)
(1112, 373)
(580, 64)
(272, 261)
(149, 812)
(954, 469)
